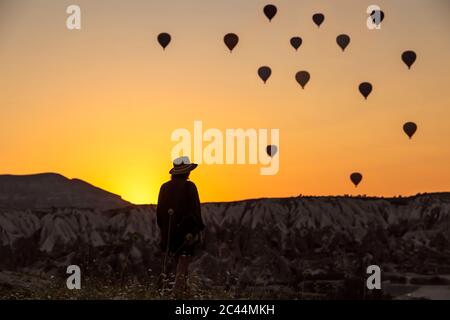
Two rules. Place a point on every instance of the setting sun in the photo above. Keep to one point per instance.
(138, 193)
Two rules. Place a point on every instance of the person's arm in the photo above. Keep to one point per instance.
(196, 210)
(159, 209)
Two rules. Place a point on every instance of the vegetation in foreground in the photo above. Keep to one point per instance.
(44, 287)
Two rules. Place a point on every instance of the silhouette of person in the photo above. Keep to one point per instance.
(179, 219)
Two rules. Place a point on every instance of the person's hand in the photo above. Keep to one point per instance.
(189, 239)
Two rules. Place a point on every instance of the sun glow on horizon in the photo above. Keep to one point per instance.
(135, 185)
(138, 196)
(138, 191)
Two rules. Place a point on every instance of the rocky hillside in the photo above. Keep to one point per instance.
(256, 242)
(48, 190)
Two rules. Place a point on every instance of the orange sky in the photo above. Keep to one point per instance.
(101, 103)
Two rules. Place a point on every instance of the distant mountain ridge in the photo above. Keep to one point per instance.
(47, 190)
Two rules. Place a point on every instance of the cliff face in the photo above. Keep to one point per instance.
(266, 241)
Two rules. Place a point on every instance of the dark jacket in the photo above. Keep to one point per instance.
(181, 196)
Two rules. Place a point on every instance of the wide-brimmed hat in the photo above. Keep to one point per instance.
(182, 165)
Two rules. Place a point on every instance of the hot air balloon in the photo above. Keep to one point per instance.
(365, 88)
(356, 178)
(377, 16)
(164, 39)
(271, 150)
(270, 11)
(410, 128)
(409, 57)
(318, 19)
(231, 40)
(296, 42)
(343, 41)
(302, 78)
(264, 73)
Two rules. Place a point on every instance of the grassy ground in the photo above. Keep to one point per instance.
(15, 285)
(29, 286)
